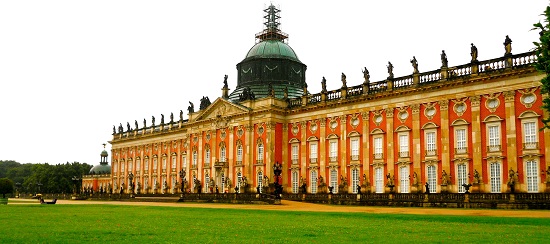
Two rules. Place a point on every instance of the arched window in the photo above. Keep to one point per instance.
(294, 182)
(207, 157)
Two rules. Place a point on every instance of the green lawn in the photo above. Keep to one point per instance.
(140, 224)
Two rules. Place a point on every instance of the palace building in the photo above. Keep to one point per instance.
(475, 125)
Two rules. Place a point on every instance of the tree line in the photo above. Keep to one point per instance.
(43, 178)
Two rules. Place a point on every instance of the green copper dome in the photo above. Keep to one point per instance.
(101, 169)
(272, 49)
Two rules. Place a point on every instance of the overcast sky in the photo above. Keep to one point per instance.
(70, 70)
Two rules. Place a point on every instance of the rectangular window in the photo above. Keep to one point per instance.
(122, 167)
(333, 150)
(164, 163)
(138, 164)
(146, 164)
(404, 179)
(115, 167)
(173, 162)
(495, 178)
(378, 153)
(184, 161)
(379, 180)
(239, 153)
(239, 180)
(295, 154)
(130, 166)
(461, 177)
(432, 179)
(494, 138)
(313, 152)
(430, 144)
(404, 145)
(355, 148)
(260, 153)
(460, 137)
(532, 176)
(313, 182)
(334, 180)
(195, 159)
(530, 135)
(207, 157)
(294, 182)
(354, 180)
(260, 180)
(222, 155)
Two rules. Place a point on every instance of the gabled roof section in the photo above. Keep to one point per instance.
(221, 108)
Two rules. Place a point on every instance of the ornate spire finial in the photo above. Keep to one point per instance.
(272, 31)
(104, 145)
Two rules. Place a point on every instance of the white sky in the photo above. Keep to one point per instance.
(70, 70)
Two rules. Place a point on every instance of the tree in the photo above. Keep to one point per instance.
(542, 50)
(6, 186)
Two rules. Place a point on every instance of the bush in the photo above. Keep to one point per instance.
(6, 186)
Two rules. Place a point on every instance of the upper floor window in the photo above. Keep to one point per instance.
(313, 152)
(333, 153)
(295, 153)
(404, 145)
(138, 164)
(223, 157)
(493, 133)
(163, 162)
(430, 143)
(260, 151)
(378, 151)
(207, 156)
(354, 143)
(195, 159)
(460, 136)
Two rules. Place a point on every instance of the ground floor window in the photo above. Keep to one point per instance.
(239, 179)
(404, 179)
(294, 182)
(496, 182)
(532, 176)
(379, 180)
(432, 179)
(260, 180)
(334, 180)
(354, 180)
(461, 177)
(313, 181)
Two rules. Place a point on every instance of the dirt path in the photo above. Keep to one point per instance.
(300, 206)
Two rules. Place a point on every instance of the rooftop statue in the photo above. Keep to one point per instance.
(473, 52)
(136, 124)
(114, 129)
(120, 128)
(144, 123)
(191, 108)
(390, 70)
(344, 83)
(304, 87)
(161, 119)
(153, 121)
(444, 62)
(366, 75)
(171, 117)
(128, 127)
(225, 81)
(285, 93)
(324, 84)
(415, 65)
(205, 102)
(507, 45)
(181, 115)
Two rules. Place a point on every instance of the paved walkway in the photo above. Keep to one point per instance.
(301, 206)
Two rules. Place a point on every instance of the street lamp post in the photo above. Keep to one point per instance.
(277, 170)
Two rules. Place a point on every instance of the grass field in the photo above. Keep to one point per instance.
(144, 224)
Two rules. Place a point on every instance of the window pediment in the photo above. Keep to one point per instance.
(377, 131)
(294, 140)
(354, 134)
(429, 125)
(332, 136)
(528, 115)
(492, 118)
(402, 128)
(459, 122)
(312, 138)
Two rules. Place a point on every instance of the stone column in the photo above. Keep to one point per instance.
(323, 162)
(476, 150)
(303, 149)
(390, 158)
(417, 151)
(285, 163)
(248, 159)
(365, 137)
(343, 147)
(511, 136)
(269, 149)
(445, 150)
